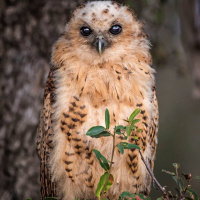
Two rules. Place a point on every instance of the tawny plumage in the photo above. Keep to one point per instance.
(101, 61)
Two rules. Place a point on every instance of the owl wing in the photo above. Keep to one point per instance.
(154, 127)
(44, 138)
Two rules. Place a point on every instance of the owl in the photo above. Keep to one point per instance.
(101, 61)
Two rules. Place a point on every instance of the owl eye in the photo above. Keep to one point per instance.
(85, 31)
(116, 29)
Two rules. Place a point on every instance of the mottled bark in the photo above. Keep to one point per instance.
(190, 23)
(28, 30)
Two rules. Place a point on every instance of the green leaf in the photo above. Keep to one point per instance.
(97, 131)
(121, 148)
(138, 130)
(168, 172)
(135, 137)
(131, 146)
(133, 127)
(193, 194)
(126, 194)
(160, 198)
(110, 182)
(180, 182)
(107, 119)
(197, 177)
(102, 160)
(135, 121)
(178, 191)
(103, 134)
(50, 198)
(176, 165)
(175, 179)
(133, 115)
(118, 129)
(124, 143)
(128, 130)
(102, 182)
(29, 199)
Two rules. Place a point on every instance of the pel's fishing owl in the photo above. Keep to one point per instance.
(101, 61)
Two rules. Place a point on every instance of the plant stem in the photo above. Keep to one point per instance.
(188, 183)
(112, 156)
(177, 178)
(154, 178)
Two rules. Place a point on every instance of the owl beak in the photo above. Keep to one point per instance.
(100, 45)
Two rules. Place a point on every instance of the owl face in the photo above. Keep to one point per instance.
(101, 28)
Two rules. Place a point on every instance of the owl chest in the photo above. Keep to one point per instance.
(73, 158)
(78, 118)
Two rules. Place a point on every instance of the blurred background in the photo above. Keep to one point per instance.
(29, 28)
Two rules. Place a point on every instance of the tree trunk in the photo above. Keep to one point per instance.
(28, 30)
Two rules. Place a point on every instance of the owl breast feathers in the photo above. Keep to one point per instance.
(101, 61)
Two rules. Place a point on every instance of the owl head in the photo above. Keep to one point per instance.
(101, 31)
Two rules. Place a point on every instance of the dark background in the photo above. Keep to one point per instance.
(29, 28)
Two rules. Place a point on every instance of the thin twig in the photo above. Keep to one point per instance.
(153, 177)
(188, 183)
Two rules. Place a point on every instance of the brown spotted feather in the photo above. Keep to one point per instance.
(45, 140)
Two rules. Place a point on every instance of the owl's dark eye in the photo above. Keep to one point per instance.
(116, 29)
(85, 31)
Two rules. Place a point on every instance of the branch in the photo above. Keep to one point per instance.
(162, 189)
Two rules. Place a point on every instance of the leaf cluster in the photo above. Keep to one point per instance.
(183, 189)
(106, 180)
